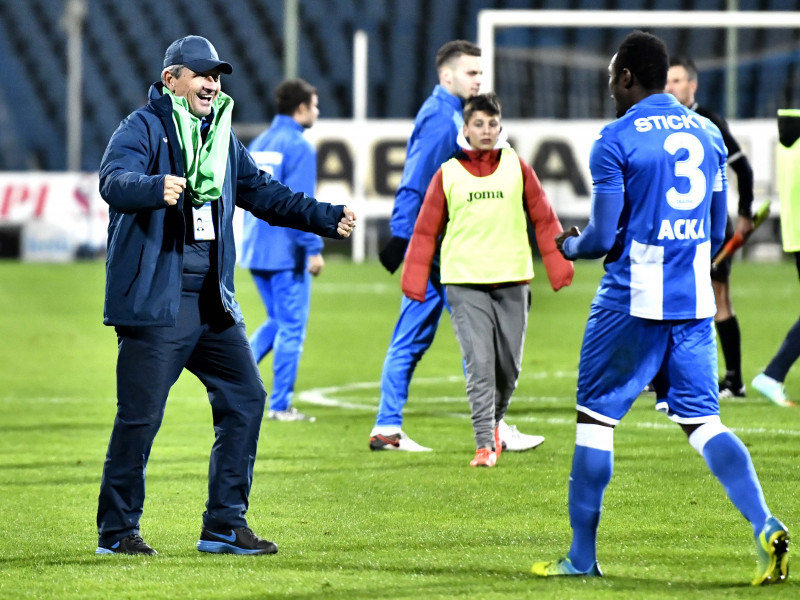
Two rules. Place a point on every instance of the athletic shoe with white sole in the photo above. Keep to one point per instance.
(132, 544)
(516, 441)
(772, 550)
(394, 441)
(563, 566)
(240, 540)
(772, 389)
(290, 414)
(731, 388)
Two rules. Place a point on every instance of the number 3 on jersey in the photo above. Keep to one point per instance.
(688, 168)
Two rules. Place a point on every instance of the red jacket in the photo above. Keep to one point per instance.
(433, 217)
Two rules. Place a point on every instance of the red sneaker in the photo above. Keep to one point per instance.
(498, 443)
(484, 457)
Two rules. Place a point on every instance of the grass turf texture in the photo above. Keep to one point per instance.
(351, 523)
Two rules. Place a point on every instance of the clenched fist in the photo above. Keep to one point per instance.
(173, 188)
(347, 223)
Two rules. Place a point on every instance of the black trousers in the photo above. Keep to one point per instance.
(789, 351)
(207, 343)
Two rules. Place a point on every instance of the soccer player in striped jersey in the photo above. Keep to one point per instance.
(658, 215)
(682, 83)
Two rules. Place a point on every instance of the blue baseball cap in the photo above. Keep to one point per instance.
(197, 53)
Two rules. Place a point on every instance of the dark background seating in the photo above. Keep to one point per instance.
(541, 73)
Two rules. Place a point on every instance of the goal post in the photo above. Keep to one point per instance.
(490, 21)
(549, 67)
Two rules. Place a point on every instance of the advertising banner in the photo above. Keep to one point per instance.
(59, 216)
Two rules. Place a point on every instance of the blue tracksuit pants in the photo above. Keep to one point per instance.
(413, 335)
(286, 296)
(149, 361)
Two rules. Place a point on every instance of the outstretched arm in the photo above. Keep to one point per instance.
(601, 232)
(547, 225)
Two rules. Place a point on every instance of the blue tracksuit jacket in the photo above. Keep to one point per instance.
(284, 153)
(432, 143)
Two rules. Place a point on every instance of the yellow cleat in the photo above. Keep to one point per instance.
(563, 566)
(772, 549)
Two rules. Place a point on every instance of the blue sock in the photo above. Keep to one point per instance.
(591, 471)
(730, 462)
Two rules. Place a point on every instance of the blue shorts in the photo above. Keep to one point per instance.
(621, 354)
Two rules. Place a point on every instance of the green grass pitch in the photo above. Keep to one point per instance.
(356, 524)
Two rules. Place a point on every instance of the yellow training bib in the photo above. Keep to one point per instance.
(486, 239)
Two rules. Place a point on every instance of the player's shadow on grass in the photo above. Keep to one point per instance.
(53, 428)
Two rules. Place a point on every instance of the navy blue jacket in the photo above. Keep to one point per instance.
(146, 237)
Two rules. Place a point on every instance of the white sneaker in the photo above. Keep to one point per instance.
(380, 439)
(290, 414)
(772, 389)
(516, 441)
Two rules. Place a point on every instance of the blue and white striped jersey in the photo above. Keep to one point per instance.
(669, 162)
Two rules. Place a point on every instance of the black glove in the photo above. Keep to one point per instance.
(393, 253)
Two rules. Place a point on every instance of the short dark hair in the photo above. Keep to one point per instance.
(488, 103)
(292, 93)
(454, 49)
(646, 57)
(685, 62)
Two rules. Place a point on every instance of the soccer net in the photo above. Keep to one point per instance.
(549, 68)
(552, 63)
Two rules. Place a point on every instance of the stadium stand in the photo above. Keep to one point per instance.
(124, 44)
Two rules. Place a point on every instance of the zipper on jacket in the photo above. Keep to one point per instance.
(221, 256)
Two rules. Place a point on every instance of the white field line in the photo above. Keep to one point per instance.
(325, 397)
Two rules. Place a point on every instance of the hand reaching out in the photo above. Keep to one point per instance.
(571, 232)
(347, 223)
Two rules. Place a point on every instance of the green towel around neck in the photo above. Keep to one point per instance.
(205, 163)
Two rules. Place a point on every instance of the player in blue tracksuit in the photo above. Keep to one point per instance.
(432, 142)
(282, 260)
(658, 214)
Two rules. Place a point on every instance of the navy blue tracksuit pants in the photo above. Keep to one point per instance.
(207, 343)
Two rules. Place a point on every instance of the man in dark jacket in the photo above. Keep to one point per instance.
(172, 175)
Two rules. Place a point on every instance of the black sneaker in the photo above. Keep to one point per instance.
(384, 442)
(731, 388)
(133, 544)
(394, 441)
(241, 540)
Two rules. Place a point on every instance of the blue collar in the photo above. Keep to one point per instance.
(207, 120)
(440, 92)
(662, 99)
(286, 121)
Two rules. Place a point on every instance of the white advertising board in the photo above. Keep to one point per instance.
(61, 212)
(557, 150)
(57, 212)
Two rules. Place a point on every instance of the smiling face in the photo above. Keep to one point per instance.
(199, 89)
(482, 130)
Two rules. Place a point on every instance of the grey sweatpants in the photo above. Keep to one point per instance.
(490, 326)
